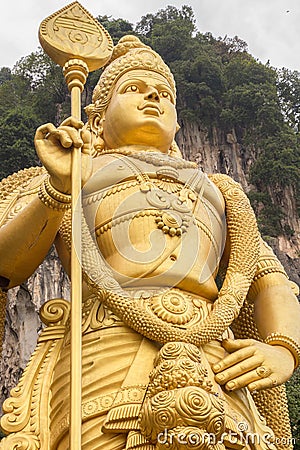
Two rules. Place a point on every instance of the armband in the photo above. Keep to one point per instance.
(52, 198)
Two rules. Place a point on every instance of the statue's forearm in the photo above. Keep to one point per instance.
(277, 311)
(276, 307)
(25, 241)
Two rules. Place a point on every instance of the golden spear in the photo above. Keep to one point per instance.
(77, 42)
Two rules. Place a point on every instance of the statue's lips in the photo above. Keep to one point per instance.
(151, 109)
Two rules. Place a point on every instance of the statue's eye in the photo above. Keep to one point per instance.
(167, 95)
(132, 88)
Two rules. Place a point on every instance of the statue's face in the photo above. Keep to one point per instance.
(141, 112)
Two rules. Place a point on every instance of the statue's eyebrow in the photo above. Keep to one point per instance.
(126, 83)
(158, 84)
(164, 87)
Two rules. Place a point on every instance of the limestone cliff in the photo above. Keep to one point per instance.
(214, 152)
(22, 320)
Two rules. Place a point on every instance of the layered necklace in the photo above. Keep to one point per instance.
(174, 212)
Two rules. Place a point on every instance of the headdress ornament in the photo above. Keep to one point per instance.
(129, 54)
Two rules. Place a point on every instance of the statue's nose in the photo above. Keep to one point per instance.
(152, 94)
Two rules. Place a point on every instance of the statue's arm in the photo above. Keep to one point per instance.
(256, 364)
(276, 306)
(28, 230)
(35, 215)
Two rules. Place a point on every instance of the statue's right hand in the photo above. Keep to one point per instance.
(54, 148)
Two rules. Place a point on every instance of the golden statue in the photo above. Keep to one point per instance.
(190, 325)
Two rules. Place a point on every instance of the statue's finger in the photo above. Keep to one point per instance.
(87, 141)
(246, 379)
(233, 358)
(72, 122)
(264, 383)
(245, 366)
(61, 136)
(43, 130)
(235, 344)
(68, 135)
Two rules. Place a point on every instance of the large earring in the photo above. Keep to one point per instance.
(98, 141)
(174, 150)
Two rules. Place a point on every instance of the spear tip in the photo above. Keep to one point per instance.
(73, 33)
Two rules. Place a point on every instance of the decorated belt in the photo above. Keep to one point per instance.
(179, 308)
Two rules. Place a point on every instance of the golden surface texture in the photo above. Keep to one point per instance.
(73, 32)
(172, 354)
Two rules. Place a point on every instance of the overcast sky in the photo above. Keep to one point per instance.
(270, 27)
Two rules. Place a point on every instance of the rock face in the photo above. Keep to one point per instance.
(22, 319)
(220, 153)
(214, 153)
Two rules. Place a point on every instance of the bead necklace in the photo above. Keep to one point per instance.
(152, 157)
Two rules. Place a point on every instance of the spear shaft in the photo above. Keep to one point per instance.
(75, 74)
(77, 42)
(76, 298)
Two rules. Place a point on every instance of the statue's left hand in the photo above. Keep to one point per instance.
(253, 364)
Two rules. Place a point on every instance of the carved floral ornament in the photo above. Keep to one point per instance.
(173, 307)
(181, 399)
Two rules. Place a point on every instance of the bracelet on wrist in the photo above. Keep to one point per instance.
(287, 342)
(53, 198)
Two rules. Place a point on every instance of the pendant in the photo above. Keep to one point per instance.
(172, 223)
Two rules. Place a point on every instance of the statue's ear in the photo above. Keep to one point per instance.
(96, 127)
(95, 124)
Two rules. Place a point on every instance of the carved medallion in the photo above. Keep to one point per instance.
(173, 307)
(72, 32)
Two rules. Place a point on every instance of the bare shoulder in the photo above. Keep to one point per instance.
(17, 190)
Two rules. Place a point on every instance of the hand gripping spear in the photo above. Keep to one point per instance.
(77, 42)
